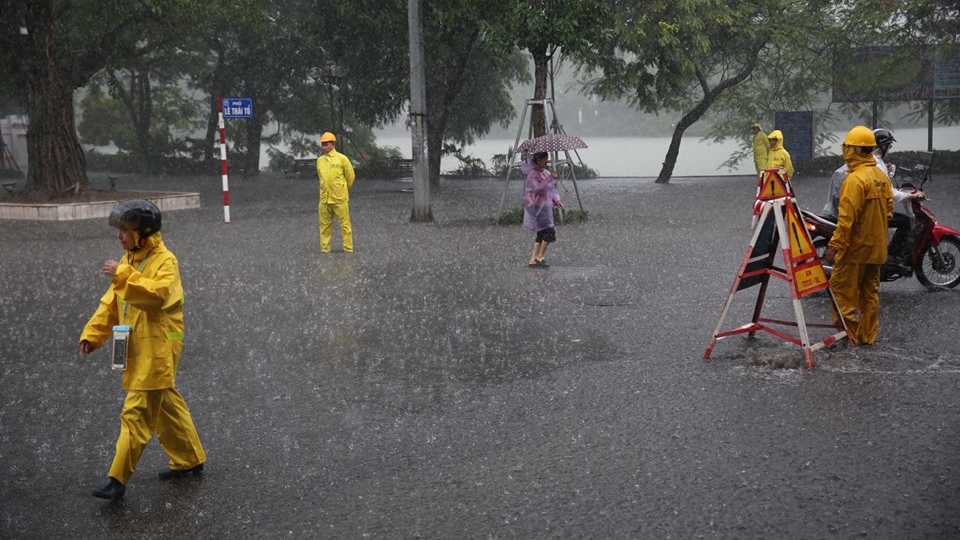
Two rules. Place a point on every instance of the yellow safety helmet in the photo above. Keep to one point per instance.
(328, 137)
(861, 136)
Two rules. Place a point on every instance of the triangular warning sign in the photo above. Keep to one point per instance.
(801, 247)
(772, 185)
(780, 231)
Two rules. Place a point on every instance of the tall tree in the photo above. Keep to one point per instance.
(51, 48)
(468, 73)
(468, 77)
(544, 27)
(684, 55)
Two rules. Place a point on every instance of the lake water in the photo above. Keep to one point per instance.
(643, 156)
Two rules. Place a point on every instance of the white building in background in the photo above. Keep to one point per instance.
(13, 132)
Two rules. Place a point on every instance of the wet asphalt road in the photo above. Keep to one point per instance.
(430, 385)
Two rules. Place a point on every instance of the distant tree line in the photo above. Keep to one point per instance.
(147, 74)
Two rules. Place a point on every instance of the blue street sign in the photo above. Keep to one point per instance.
(238, 107)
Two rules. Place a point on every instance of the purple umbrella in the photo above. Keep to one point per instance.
(552, 142)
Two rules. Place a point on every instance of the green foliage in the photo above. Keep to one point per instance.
(126, 163)
(103, 120)
(279, 161)
(379, 162)
(146, 131)
(582, 171)
(944, 162)
(560, 217)
(470, 167)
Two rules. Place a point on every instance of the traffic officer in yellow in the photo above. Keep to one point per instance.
(761, 147)
(778, 158)
(336, 178)
(145, 294)
(859, 245)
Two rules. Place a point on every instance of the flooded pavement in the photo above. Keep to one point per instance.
(430, 385)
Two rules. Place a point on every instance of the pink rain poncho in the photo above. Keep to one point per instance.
(539, 195)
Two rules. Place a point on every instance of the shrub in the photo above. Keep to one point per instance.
(515, 217)
(944, 162)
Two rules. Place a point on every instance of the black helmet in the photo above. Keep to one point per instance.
(138, 215)
(884, 136)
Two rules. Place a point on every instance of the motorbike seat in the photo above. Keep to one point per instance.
(823, 221)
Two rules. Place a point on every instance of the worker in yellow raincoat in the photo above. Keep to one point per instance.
(145, 294)
(761, 148)
(859, 245)
(778, 158)
(336, 178)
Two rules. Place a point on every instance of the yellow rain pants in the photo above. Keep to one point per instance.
(342, 211)
(161, 411)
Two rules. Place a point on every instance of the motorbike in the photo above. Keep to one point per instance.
(934, 249)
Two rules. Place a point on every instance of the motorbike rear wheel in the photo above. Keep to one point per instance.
(937, 272)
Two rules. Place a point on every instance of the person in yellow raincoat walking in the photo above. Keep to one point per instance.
(859, 245)
(145, 294)
(336, 178)
(761, 148)
(778, 158)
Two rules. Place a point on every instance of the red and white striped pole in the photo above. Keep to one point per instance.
(223, 163)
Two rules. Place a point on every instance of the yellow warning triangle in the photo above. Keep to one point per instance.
(772, 186)
(800, 246)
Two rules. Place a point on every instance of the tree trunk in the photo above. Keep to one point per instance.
(695, 114)
(57, 163)
(434, 150)
(687, 120)
(215, 91)
(136, 96)
(143, 103)
(538, 115)
(670, 160)
(254, 129)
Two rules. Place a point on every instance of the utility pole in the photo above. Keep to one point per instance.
(418, 116)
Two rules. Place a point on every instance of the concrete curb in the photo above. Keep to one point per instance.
(165, 201)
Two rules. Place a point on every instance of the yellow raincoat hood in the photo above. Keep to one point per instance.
(778, 135)
(855, 159)
(779, 158)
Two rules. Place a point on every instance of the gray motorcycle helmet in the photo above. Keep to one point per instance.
(884, 136)
(137, 215)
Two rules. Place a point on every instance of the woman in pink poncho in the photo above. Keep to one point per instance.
(539, 197)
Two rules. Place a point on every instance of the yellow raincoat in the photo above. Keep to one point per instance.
(336, 178)
(866, 205)
(146, 294)
(860, 245)
(761, 149)
(779, 158)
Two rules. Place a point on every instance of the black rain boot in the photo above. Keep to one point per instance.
(112, 490)
(171, 474)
